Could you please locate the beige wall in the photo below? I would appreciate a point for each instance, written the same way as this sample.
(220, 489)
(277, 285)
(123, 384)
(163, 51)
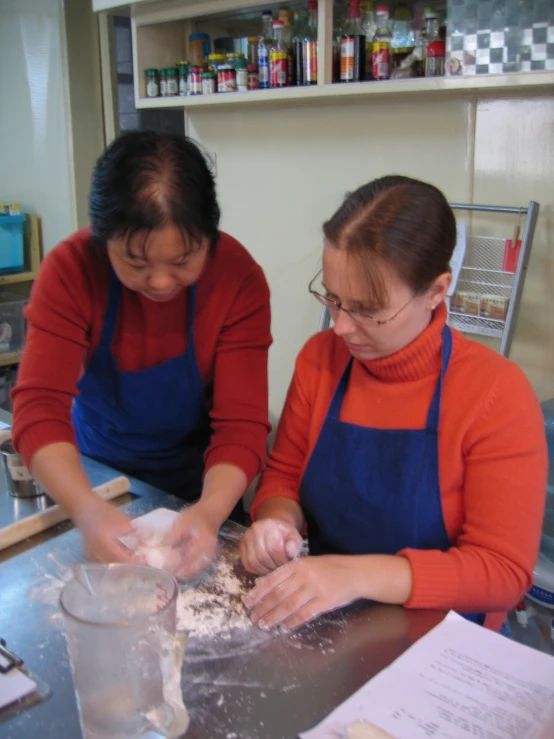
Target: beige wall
(51, 127)
(281, 173)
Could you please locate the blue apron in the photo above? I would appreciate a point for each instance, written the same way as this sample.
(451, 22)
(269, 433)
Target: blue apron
(376, 491)
(151, 424)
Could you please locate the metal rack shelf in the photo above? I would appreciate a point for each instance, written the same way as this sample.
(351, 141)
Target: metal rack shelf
(482, 273)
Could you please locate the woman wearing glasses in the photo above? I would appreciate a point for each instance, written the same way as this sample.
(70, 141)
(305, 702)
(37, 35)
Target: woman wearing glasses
(142, 330)
(414, 458)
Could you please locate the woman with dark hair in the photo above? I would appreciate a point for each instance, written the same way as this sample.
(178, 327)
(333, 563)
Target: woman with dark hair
(147, 346)
(414, 458)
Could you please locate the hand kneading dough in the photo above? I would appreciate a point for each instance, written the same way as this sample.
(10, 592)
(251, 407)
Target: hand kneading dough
(365, 730)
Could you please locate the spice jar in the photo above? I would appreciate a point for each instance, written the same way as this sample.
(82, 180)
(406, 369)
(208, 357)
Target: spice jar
(152, 83)
(171, 84)
(242, 75)
(253, 77)
(162, 83)
(233, 57)
(226, 79)
(183, 77)
(194, 83)
(208, 83)
(215, 61)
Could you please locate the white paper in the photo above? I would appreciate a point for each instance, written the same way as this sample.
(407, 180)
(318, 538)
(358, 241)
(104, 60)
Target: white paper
(14, 685)
(460, 681)
(158, 522)
(458, 256)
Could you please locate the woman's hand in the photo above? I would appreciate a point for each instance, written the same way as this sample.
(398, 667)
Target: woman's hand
(301, 590)
(268, 544)
(194, 537)
(101, 525)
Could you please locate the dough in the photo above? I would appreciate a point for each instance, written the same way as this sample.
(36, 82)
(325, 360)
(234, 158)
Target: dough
(365, 730)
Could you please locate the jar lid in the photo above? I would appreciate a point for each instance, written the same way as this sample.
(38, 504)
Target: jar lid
(207, 75)
(170, 70)
(278, 24)
(216, 57)
(162, 72)
(253, 39)
(240, 63)
(235, 55)
(151, 72)
(183, 68)
(182, 63)
(199, 37)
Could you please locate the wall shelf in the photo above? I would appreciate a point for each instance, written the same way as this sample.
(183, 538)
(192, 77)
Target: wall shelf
(507, 84)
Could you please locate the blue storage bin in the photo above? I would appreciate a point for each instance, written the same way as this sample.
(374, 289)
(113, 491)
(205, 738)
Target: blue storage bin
(11, 244)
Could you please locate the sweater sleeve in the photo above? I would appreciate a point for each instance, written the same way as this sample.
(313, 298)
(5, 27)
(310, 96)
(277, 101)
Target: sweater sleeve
(286, 462)
(490, 565)
(239, 413)
(58, 327)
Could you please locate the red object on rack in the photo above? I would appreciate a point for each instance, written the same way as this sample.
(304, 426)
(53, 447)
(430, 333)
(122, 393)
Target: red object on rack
(511, 255)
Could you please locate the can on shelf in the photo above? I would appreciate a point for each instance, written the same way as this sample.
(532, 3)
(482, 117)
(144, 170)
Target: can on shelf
(194, 82)
(152, 83)
(226, 79)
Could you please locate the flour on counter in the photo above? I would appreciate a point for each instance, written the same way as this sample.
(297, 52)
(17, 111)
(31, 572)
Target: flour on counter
(214, 607)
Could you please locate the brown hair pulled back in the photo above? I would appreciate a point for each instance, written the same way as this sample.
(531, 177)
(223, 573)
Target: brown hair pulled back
(404, 222)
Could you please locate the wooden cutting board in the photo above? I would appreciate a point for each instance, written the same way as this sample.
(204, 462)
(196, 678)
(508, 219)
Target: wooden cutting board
(21, 530)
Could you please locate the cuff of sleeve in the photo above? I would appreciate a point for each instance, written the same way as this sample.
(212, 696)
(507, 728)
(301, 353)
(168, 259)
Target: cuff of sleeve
(267, 493)
(434, 580)
(33, 438)
(240, 456)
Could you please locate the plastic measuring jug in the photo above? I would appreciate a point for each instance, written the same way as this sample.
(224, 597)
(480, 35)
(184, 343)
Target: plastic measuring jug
(126, 655)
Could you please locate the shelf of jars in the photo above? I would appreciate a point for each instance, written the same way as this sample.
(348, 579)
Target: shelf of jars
(213, 53)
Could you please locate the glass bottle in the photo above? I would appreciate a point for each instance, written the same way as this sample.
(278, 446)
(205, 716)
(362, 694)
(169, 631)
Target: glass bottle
(299, 33)
(278, 58)
(369, 25)
(381, 62)
(264, 44)
(434, 46)
(309, 48)
(352, 46)
(284, 16)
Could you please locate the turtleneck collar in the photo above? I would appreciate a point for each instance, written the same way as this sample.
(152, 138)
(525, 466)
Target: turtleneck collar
(420, 358)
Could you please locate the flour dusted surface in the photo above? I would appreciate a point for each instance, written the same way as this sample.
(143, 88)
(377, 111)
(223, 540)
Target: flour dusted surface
(214, 607)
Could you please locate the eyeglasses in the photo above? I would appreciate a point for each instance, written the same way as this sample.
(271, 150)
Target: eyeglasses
(360, 316)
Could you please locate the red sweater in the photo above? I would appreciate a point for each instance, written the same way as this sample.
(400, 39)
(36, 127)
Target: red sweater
(231, 337)
(492, 457)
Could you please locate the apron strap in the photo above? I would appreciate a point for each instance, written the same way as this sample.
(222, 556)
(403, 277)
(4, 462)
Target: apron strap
(432, 424)
(112, 310)
(191, 304)
(340, 391)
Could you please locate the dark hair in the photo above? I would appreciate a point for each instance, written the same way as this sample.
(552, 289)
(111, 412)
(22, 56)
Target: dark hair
(401, 221)
(147, 180)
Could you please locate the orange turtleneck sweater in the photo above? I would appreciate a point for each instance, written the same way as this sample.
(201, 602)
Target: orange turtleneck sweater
(492, 457)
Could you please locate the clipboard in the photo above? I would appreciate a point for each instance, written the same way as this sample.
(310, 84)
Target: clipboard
(13, 669)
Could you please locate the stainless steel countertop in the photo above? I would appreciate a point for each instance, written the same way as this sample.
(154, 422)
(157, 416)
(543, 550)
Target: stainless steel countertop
(269, 687)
